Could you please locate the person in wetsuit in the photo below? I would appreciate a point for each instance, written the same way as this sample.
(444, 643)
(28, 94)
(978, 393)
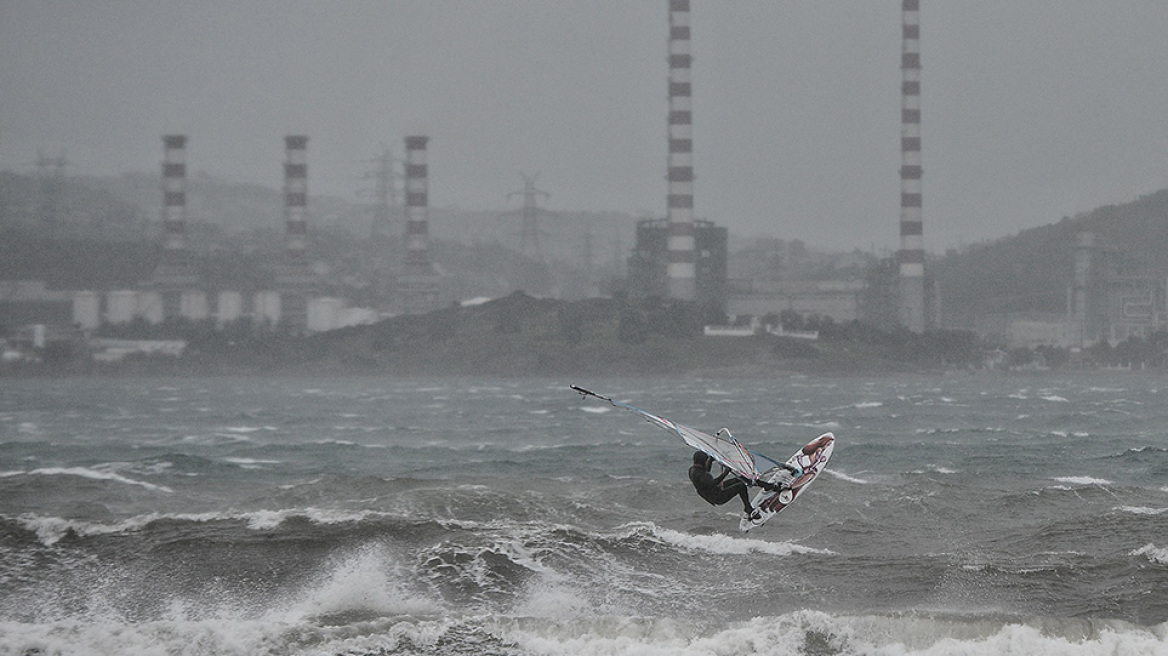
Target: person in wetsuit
(718, 490)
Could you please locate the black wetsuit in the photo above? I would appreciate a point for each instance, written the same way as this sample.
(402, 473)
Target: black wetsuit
(717, 490)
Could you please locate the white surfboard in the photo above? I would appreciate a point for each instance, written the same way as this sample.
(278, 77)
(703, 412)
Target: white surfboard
(811, 459)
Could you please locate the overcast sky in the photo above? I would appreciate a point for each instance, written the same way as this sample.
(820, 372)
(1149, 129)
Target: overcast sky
(1032, 109)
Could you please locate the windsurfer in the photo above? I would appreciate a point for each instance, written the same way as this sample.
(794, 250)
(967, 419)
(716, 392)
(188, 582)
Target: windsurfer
(718, 490)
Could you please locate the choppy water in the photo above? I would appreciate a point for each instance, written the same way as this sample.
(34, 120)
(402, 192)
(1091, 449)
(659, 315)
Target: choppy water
(959, 515)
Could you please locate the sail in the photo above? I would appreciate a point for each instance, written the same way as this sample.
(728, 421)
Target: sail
(721, 446)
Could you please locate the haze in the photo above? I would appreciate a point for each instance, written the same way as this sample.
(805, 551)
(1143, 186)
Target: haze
(1032, 110)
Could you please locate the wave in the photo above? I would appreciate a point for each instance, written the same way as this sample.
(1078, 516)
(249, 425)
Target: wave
(248, 429)
(844, 477)
(1082, 480)
(85, 472)
(800, 633)
(1142, 510)
(51, 530)
(726, 544)
(1153, 553)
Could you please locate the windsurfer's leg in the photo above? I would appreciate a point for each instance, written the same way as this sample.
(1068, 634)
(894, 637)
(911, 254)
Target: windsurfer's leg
(738, 487)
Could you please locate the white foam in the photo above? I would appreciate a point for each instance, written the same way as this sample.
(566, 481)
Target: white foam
(1082, 480)
(84, 472)
(844, 477)
(1054, 398)
(552, 598)
(250, 463)
(1153, 553)
(872, 635)
(596, 410)
(618, 634)
(1142, 510)
(262, 520)
(725, 544)
(50, 530)
(366, 581)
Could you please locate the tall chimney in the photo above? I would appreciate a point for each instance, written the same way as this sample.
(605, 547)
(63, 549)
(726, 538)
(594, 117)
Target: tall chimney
(912, 245)
(296, 201)
(174, 197)
(175, 270)
(417, 207)
(418, 284)
(680, 243)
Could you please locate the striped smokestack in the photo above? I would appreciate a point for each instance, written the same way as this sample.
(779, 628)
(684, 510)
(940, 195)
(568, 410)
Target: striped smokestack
(174, 200)
(296, 201)
(417, 208)
(175, 271)
(912, 245)
(680, 270)
(419, 284)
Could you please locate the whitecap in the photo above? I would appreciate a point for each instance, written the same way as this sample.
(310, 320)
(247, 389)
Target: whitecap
(366, 581)
(250, 463)
(725, 544)
(51, 529)
(844, 477)
(1054, 398)
(595, 410)
(1153, 553)
(1142, 510)
(96, 475)
(1082, 480)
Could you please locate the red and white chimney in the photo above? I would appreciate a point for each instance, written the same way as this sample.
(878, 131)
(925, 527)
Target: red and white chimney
(174, 200)
(417, 207)
(680, 242)
(912, 245)
(296, 200)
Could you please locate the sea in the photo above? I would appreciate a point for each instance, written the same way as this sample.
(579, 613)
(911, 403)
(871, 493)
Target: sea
(962, 514)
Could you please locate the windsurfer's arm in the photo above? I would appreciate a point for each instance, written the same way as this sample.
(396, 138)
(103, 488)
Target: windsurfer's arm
(725, 470)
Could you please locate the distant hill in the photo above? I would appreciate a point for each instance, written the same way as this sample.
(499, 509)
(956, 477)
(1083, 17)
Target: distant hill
(1031, 271)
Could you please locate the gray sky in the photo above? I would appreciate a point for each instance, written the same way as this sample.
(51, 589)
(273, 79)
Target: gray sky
(1032, 109)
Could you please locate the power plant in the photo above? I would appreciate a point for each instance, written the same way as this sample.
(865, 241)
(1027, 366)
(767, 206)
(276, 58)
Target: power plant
(176, 290)
(679, 257)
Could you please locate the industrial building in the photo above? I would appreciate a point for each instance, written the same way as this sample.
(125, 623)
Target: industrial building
(648, 265)
(1113, 297)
